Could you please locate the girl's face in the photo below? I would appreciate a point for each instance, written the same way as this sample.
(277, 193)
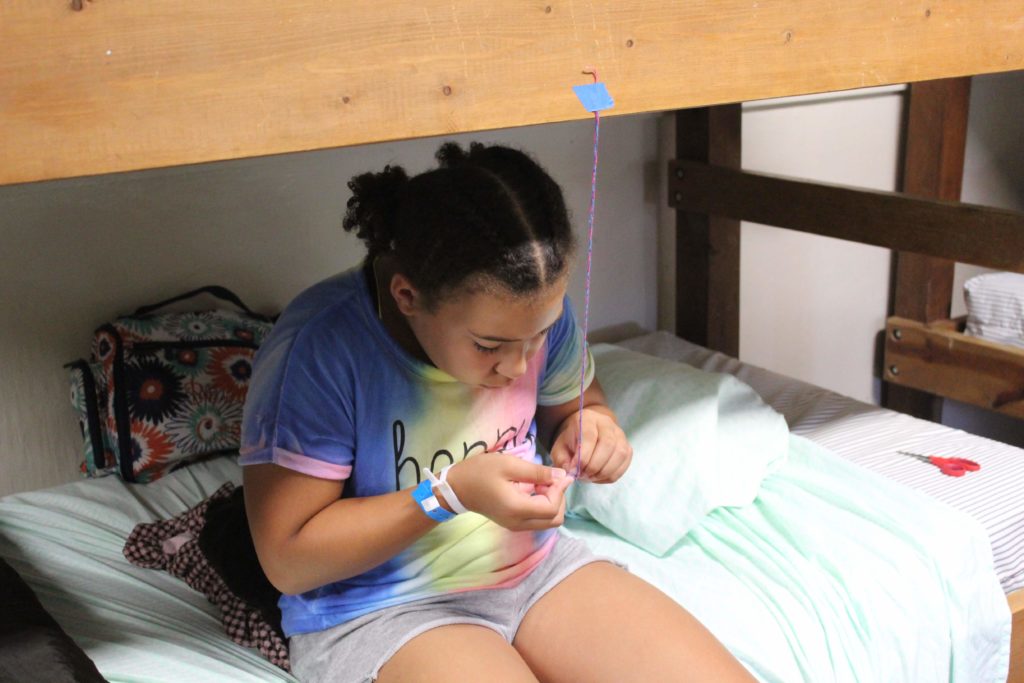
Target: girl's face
(484, 339)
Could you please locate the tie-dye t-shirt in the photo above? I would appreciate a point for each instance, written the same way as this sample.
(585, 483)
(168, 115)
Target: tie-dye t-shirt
(334, 396)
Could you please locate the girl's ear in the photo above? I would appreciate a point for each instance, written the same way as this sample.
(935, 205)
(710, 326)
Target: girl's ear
(408, 298)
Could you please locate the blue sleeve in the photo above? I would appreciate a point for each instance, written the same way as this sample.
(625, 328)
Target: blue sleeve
(298, 412)
(561, 381)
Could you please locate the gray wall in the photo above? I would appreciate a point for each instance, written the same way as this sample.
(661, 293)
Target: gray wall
(77, 252)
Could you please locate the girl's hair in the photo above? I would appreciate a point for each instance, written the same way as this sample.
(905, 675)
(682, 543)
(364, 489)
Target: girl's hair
(491, 214)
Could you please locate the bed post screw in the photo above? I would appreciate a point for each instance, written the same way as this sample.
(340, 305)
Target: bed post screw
(894, 370)
(679, 173)
(678, 197)
(897, 334)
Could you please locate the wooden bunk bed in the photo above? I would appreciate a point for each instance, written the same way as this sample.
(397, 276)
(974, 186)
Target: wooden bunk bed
(104, 86)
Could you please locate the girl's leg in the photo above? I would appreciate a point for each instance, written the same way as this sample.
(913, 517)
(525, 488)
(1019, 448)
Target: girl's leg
(604, 624)
(456, 653)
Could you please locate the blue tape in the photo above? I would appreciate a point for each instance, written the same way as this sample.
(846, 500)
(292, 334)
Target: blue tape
(594, 96)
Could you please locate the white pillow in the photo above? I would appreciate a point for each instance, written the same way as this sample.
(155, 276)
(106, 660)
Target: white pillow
(995, 307)
(700, 440)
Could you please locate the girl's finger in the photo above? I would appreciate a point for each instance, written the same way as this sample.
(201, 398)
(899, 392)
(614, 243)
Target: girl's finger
(586, 454)
(561, 454)
(535, 508)
(520, 470)
(619, 449)
(623, 465)
(602, 453)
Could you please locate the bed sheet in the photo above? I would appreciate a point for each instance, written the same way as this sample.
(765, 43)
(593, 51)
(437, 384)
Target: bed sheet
(871, 436)
(138, 625)
(784, 591)
(835, 573)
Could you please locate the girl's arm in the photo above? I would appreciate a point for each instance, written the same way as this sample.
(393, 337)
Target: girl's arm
(306, 536)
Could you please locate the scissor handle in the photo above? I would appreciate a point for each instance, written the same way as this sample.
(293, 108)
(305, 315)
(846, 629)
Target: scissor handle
(951, 467)
(952, 470)
(958, 463)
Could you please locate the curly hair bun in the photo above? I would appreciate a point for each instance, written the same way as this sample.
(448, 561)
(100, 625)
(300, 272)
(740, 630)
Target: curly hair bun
(373, 207)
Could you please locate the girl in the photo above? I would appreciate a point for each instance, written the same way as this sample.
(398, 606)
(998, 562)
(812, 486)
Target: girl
(392, 480)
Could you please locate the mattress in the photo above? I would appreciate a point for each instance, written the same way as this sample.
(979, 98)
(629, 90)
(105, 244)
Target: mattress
(995, 307)
(871, 437)
(754, 575)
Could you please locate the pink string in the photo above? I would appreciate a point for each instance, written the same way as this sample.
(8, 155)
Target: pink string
(586, 290)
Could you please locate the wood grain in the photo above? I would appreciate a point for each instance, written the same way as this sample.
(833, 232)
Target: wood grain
(933, 166)
(124, 84)
(967, 232)
(1016, 600)
(945, 362)
(707, 246)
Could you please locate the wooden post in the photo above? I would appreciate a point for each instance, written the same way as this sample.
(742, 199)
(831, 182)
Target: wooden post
(708, 247)
(933, 166)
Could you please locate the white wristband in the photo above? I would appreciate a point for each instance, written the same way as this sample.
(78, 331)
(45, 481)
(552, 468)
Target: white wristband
(446, 489)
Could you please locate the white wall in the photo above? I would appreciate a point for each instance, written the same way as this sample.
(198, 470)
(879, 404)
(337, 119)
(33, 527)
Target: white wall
(809, 306)
(77, 252)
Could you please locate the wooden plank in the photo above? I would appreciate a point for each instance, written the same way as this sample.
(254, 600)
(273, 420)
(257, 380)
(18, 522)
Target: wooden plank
(1016, 600)
(933, 165)
(708, 247)
(124, 84)
(968, 232)
(947, 363)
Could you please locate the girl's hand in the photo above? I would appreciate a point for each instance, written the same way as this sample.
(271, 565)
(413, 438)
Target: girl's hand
(606, 452)
(514, 493)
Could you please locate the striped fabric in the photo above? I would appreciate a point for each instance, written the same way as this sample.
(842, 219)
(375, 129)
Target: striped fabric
(995, 307)
(871, 436)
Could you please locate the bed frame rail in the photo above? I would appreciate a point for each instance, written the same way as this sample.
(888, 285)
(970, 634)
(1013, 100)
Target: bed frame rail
(950, 230)
(938, 358)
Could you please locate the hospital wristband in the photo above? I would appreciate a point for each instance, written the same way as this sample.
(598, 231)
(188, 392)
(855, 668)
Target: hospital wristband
(425, 498)
(442, 485)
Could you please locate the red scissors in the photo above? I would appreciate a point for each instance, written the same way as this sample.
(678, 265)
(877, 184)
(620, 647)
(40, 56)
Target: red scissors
(951, 467)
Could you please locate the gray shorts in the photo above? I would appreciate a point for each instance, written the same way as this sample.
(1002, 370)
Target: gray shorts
(355, 651)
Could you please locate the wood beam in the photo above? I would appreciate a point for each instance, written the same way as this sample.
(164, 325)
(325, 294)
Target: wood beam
(124, 85)
(973, 234)
(708, 247)
(933, 164)
(1016, 601)
(943, 361)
